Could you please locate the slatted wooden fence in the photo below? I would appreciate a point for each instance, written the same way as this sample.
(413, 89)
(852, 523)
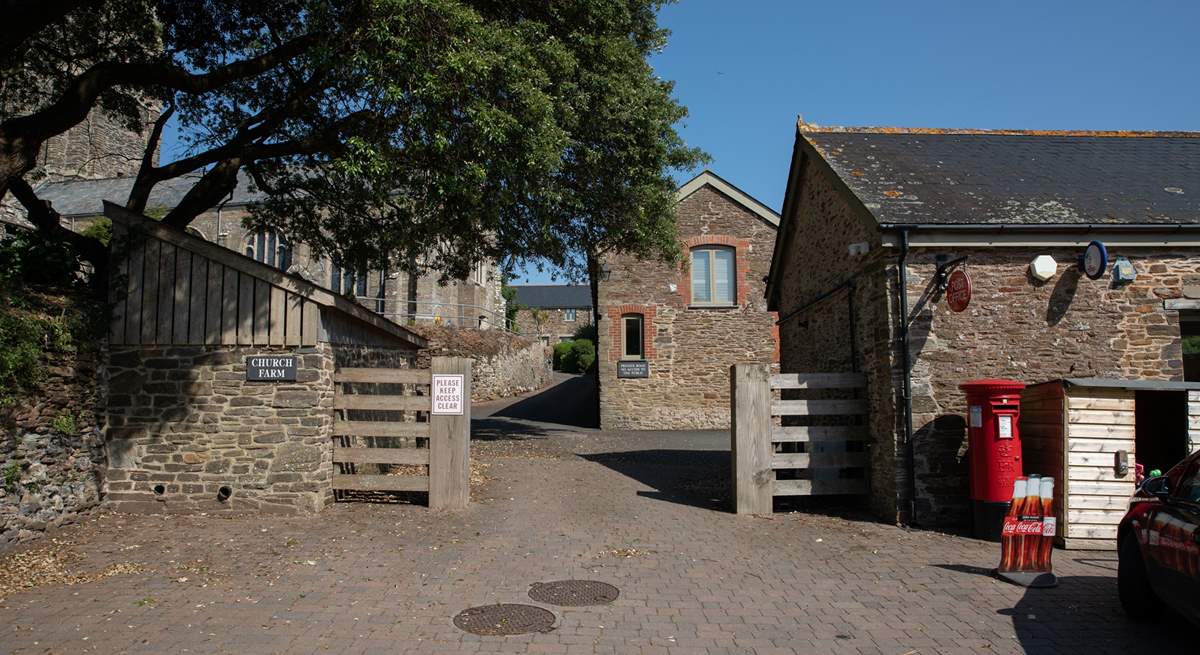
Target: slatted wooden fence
(401, 430)
(795, 446)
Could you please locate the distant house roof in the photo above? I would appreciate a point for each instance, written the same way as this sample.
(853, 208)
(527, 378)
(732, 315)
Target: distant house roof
(749, 202)
(554, 296)
(86, 197)
(983, 177)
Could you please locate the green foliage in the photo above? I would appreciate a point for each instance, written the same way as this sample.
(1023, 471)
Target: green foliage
(511, 306)
(43, 309)
(576, 356)
(388, 132)
(562, 351)
(583, 355)
(30, 258)
(100, 230)
(64, 424)
(12, 473)
(586, 332)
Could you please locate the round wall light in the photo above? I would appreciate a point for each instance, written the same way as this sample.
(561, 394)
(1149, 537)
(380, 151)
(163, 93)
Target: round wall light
(1043, 267)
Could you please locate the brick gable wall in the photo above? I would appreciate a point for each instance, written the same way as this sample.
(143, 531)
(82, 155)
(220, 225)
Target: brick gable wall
(689, 349)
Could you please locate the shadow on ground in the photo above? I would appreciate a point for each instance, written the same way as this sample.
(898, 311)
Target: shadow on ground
(571, 402)
(699, 478)
(1040, 616)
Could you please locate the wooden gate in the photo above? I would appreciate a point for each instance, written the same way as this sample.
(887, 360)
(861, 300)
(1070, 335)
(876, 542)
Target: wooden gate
(387, 426)
(787, 445)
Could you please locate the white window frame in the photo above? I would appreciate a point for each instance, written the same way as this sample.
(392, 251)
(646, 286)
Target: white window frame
(708, 251)
(569, 315)
(641, 321)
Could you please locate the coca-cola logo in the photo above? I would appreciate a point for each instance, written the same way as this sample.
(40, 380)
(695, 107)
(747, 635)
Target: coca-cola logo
(1025, 528)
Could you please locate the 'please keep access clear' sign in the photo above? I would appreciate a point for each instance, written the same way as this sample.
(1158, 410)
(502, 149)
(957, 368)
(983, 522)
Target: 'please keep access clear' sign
(448, 394)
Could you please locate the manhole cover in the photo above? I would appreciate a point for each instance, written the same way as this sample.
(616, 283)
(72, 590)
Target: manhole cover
(573, 593)
(504, 619)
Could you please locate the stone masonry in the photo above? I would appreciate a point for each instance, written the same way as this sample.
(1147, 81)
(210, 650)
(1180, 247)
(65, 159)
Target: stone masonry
(689, 349)
(51, 449)
(183, 423)
(554, 325)
(1015, 327)
(503, 365)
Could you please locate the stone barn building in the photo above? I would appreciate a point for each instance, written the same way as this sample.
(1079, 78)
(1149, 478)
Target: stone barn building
(553, 312)
(669, 333)
(874, 219)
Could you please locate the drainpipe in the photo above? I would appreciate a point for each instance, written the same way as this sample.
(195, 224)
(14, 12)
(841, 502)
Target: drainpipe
(905, 362)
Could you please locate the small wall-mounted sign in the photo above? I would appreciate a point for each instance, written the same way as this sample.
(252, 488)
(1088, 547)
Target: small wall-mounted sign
(958, 290)
(633, 368)
(1094, 260)
(271, 368)
(448, 394)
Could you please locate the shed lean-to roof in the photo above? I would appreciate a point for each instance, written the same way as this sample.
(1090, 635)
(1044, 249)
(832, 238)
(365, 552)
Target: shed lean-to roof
(554, 296)
(1014, 177)
(87, 197)
(747, 201)
(287, 282)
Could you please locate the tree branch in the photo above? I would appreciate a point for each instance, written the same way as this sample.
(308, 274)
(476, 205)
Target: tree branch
(49, 222)
(20, 137)
(144, 183)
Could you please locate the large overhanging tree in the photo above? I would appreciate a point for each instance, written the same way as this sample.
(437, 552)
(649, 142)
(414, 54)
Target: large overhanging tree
(382, 132)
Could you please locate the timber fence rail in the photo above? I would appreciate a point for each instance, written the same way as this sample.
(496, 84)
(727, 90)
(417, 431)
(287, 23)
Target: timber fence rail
(785, 442)
(386, 421)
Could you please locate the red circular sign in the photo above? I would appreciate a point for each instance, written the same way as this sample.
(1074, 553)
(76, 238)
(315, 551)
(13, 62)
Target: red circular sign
(958, 290)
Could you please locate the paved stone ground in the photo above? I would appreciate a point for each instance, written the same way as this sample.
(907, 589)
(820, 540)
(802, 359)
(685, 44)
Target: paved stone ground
(642, 511)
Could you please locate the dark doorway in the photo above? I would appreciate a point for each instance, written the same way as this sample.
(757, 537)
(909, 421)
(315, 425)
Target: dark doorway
(1189, 332)
(1160, 428)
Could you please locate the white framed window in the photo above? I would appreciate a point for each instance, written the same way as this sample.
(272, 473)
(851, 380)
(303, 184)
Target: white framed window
(569, 315)
(633, 340)
(714, 276)
(270, 248)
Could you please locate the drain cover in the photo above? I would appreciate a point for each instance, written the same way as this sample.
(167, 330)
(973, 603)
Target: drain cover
(504, 619)
(573, 593)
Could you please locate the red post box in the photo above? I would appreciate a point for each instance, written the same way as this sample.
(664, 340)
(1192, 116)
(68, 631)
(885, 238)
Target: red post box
(994, 449)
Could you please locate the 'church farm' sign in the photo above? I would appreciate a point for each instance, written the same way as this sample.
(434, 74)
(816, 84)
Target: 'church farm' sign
(271, 368)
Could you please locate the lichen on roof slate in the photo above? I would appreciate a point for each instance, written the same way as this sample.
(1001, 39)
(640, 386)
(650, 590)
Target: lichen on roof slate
(929, 176)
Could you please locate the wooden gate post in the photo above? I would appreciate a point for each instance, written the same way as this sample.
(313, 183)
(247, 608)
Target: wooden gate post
(450, 441)
(750, 438)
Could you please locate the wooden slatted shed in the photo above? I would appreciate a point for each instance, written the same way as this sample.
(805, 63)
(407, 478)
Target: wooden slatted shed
(1076, 430)
(171, 288)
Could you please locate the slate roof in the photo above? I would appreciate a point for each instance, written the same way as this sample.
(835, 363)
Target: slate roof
(86, 197)
(554, 296)
(941, 177)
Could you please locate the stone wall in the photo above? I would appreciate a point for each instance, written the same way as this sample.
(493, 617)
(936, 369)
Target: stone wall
(850, 329)
(183, 423)
(504, 365)
(51, 451)
(1017, 327)
(689, 349)
(555, 325)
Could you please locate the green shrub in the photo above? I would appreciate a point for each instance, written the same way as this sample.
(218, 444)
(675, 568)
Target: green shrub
(21, 339)
(12, 473)
(28, 258)
(583, 355)
(100, 229)
(585, 332)
(562, 350)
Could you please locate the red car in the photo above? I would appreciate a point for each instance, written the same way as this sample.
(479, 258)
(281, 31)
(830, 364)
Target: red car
(1159, 544)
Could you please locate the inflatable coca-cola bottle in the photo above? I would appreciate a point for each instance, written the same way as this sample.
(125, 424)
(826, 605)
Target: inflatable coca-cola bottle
(1008, 538)
(1029, 528)
(1049, 525)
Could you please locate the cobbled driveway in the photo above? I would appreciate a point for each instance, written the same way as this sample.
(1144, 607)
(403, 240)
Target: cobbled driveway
(642, 511)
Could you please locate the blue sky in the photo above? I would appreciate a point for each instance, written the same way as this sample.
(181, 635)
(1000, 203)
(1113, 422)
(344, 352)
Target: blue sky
(745, 69)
